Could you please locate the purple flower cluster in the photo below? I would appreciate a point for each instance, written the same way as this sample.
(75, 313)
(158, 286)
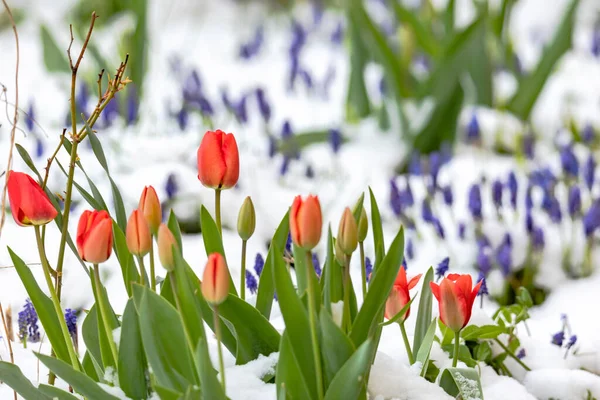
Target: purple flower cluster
(28, 323)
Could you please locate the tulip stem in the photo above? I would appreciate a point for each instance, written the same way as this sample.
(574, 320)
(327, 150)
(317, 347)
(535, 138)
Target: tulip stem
(103, 308)
(456, 348)
(55, 301)
(346, 323)
(243, 273)
(312, 315)
(512, 355)
(219, 349)
(218, 210)
(411, 357)
(363, 271)
(142, 271)
(178, 305)
(152, 273)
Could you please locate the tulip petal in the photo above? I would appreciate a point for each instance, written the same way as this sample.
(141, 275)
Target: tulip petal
(29, 203)
(231, 158)
(451, 306)
(413, 282)
(211, 163)
(294, 231)
(435, 289)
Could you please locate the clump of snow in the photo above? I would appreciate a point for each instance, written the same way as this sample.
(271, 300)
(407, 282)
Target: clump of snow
(497, 387)
(337, 311)
(244, 382)
(469, 387)
(114, 390)
(116, 333)
(111, 376)
(562, 384)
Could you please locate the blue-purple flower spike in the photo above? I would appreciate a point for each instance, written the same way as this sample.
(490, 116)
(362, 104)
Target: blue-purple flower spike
(475, 202)
(558, 338)
(473, 130)
(368, 268)
(442, 268)
(462, 230)
(71, 319)
(568, 159)
(263, 105)
(335, 139)
(259, 264)
(504, 256)
(171, 186)
(588, 134)
(483, 289)
(591, 219)
(513, 188)
(571, 342)
(537, 239)
(484, 259)
(448, 196)
(521, 354)
(589, 171)
(497, 193)
(251, 282)
(574, 201)
(426, 213)
(316, 264)
(28, 323)
(410, 252)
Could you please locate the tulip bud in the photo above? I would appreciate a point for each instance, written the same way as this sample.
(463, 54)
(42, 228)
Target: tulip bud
(399, 296)
(29, 204)
(215, 281)
(339, 253)
(139, 239)
(246, 219)
(150, 206)
(166, 244)
(347, 233)
(94, 236)
(363, 226)
(306, 222)
(455, 299)
(218, 160)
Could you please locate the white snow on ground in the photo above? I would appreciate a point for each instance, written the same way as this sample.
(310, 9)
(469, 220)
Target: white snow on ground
(202, 35)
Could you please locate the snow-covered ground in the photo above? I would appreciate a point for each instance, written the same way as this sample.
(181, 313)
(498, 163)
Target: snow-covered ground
(206, 36)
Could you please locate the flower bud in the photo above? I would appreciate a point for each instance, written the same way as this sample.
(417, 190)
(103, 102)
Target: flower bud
(246, 219)
(218, 160)
(339, 253)
(363, 226)
(347, 233)
(150, 207)
(29, 203)
(306, 222)
(166, 244)
(94, 236)
(139, 239)
(215, 281)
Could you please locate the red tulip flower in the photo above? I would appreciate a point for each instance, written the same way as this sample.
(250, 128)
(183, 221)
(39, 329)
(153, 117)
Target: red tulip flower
(306, 222)
(29, 204)
(218, 160)
(399, 296)
(94, 236)
(215, 281)
(138, 236)
(150, 207)
(455, 295)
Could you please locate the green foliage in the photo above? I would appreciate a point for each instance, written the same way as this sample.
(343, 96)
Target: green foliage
(54, 57)
(461, 382)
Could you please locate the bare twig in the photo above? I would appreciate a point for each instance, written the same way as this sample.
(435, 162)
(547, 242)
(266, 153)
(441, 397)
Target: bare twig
(15, 119)
(10, 351)
(9, 323)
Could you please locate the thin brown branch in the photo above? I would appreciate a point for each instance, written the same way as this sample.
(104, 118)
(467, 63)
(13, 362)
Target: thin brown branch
(10, 351)
(15, 118)
(100, 75)
(70, 45)
(85, 43)
(51, 159)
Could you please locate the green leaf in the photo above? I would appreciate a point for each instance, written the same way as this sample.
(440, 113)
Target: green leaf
(13, 377)
(425, 347)
(96, 145)
(212, 240)
(483, 352)
(296, 321)
(425, 38)
(358, 207)
(424, 313)
(167, 394)
(89, 331)
(473, 332)
(289, 378)
(266, 287)
(461, 382)
(43, 307)
(208, 375)
(331, 278)
(119, 206)
(78, 380)
(302, 275)
(370, 314)
(132, 363)
(400, 314)
(531, 86)
(464, 354)
(56, 393)
(90, 367)
(128, 269)
(103, 339)
(302, 140)
(357, 100)
(336, 348)
(164, 341)
(524, 298)
(378, 242)
(173, 226)
(54, 57)
(350, 380)
(28, 161)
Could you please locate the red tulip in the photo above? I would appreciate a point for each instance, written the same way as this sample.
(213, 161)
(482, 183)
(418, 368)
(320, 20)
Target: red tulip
(215, 281)
(455, 295)
(218, 160)
(28, 202)
(399, 295)
(94, 236)
(306, 222)
(138, 237)
(150, 206)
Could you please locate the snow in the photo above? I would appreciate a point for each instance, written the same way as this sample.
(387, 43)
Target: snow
(147, 153)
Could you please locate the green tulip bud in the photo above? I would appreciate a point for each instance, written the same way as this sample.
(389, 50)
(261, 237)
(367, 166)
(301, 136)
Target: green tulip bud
(363, 226)
(246, 219)
(347, 233)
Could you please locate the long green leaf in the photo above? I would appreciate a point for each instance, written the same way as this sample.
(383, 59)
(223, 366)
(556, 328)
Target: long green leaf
(266, 287)
(54, 57)
(357, 98)
(212, 240)
(56, 393)
(78, 380)
(132, 363)
(289, 378)
(336, 348)
(378, 242)
(91, 338)
(463, 382)
(43, 307)
(208, 375)
(531, 86)
(103, 339)
(173, 225)
(425, 348)
(425, 38)
(349, 382)
(332, 276)
(13, 377)
(424, 314)
(400, 314)
(296, 321)
(129, 271)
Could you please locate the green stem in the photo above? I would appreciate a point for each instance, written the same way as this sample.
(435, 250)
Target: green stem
(178, 305)
(512, 355)
(55, 301)
(152, 273)
(363, 271)
(456, 347)
(219, 349)
(218, 210)
(312, 315)
(104, 315)
(346, 313)
(243, 277)
(411, 358)
(142, 271)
